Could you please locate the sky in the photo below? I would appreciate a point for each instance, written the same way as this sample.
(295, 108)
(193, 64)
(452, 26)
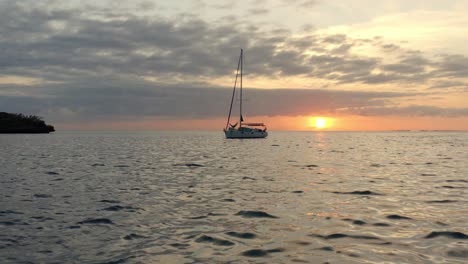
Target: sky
(150, 65)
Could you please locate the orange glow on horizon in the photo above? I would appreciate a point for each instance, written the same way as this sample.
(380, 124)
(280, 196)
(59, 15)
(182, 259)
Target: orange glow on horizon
(282, 123)
(320, 122)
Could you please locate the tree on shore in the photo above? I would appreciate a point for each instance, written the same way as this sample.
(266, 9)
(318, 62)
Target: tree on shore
(19, 122)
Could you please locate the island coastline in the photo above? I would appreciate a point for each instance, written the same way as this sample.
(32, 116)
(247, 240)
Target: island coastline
(11, 123)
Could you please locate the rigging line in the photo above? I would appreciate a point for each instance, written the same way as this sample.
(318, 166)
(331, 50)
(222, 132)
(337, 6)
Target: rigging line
(233, 92)
(240, 108)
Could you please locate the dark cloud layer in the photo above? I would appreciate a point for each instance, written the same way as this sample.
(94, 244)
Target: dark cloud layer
(93, 61)
(112, 99)
(103, 98)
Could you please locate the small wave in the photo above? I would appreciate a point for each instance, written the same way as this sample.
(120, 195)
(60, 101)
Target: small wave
(302, 243)
(398, 217)
(198, 217)
(96, 221)
(116, 208)
(52, 173)
(9, 240)
(215, 214)
(98, 165)
(458, 253)
(453, 187)
(255, 214)
(121, 166)
(58, 179)
(180, 245)
(337, 151)
(381, 224)
(297, 191)
(326, 248)
(359, 222)
(448, 234)
(119, 261)
(255, 253)
(340, 235)
(41, 218)
(9, 212)
(241, 235)
(428, 174)
(190, 165)
(260, 252)
(42, 195)
(353, 255)
(457, 180)
(132, 236)
(12, 223)
(215, 241)
(355, 222)
(442, 201)
(359, 193)
(109, 201)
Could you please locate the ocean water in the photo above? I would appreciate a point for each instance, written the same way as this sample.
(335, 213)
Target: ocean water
(191, 197)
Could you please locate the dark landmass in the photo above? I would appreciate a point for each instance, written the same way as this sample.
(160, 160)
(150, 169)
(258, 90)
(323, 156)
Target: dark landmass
(19, 123)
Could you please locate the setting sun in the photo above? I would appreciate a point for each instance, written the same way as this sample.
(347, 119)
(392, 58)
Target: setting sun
(320, 122)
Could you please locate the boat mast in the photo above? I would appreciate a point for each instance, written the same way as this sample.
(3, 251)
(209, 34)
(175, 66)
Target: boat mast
(240, 108)
(233, 92)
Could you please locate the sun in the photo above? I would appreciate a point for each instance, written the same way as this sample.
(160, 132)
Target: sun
(320, 122)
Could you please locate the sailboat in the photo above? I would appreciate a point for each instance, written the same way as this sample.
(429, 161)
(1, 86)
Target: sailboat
(242, 129)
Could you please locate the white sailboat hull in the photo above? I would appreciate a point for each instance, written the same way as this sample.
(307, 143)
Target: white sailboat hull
(235, 133)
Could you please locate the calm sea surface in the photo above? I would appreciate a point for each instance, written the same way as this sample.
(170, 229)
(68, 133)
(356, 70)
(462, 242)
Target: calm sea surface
(190, 197)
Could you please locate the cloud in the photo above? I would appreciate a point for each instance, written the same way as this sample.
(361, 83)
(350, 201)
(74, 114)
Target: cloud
(258, 11)
(61, 44)
(413, 110)
(94, 63)
(453, 66)
(126, 97)
(302, 3)
(390, 47)
(450, 84)
(220, 6)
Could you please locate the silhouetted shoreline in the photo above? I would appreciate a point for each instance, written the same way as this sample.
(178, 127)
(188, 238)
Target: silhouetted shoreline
(22, 124)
